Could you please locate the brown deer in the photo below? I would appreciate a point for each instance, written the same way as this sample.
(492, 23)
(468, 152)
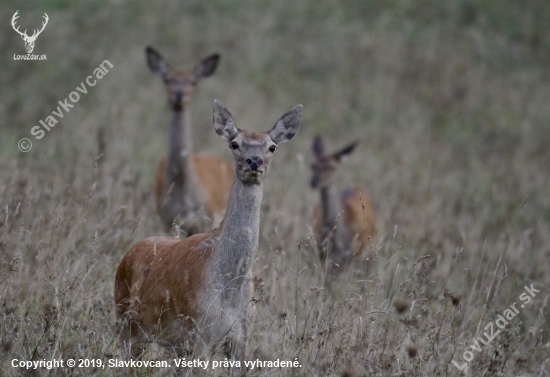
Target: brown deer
(192, 187)
(344, 219)
(200, 288)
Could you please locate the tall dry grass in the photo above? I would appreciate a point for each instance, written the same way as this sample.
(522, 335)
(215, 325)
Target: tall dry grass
(449, 101)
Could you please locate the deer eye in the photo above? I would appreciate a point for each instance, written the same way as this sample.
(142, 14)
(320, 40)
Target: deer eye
(234, 145)
(272, 148)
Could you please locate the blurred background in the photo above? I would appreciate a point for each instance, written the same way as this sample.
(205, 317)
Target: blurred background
(430, 87)
(465, 75)
(450, 101)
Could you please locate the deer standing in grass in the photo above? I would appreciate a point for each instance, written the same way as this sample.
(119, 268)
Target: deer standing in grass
(200, 288)
(344, 219)
(193, 187)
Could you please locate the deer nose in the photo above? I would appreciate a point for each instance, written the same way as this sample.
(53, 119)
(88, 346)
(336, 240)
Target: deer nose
(254, 162)
(178, 96)
(314, 181)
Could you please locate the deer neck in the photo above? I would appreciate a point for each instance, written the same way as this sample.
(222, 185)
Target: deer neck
(180, 171)
(330, 204)
(239, 233)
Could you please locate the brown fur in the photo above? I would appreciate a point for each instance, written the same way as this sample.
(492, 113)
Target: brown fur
(201, 182)
(361, 221)
(344, 220)
(168, 288)
(215, 176)
(159, 280)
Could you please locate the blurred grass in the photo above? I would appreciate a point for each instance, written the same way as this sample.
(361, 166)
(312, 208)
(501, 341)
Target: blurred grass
(448, 98)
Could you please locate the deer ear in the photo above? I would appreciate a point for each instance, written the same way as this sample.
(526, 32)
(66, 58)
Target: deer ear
(345, 152)
(318, 146)
(287, 126)
(155, 61)
(206, 67)
(224, 124)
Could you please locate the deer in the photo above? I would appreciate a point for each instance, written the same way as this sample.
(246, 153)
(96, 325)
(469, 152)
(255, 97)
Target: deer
(29, 40)
(198, 290)
(190, 187)
(344, 219)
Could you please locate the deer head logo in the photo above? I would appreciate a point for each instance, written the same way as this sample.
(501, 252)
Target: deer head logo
(29, 40)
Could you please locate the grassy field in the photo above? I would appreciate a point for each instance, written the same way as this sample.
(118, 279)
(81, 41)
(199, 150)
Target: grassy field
(450, 102)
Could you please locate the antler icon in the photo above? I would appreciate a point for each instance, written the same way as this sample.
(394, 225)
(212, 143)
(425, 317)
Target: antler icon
(29, 40)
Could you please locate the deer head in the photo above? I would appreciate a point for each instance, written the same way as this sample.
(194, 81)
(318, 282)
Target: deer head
(180, 84)
(253, 150)
(325, 165)
(29, 40)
